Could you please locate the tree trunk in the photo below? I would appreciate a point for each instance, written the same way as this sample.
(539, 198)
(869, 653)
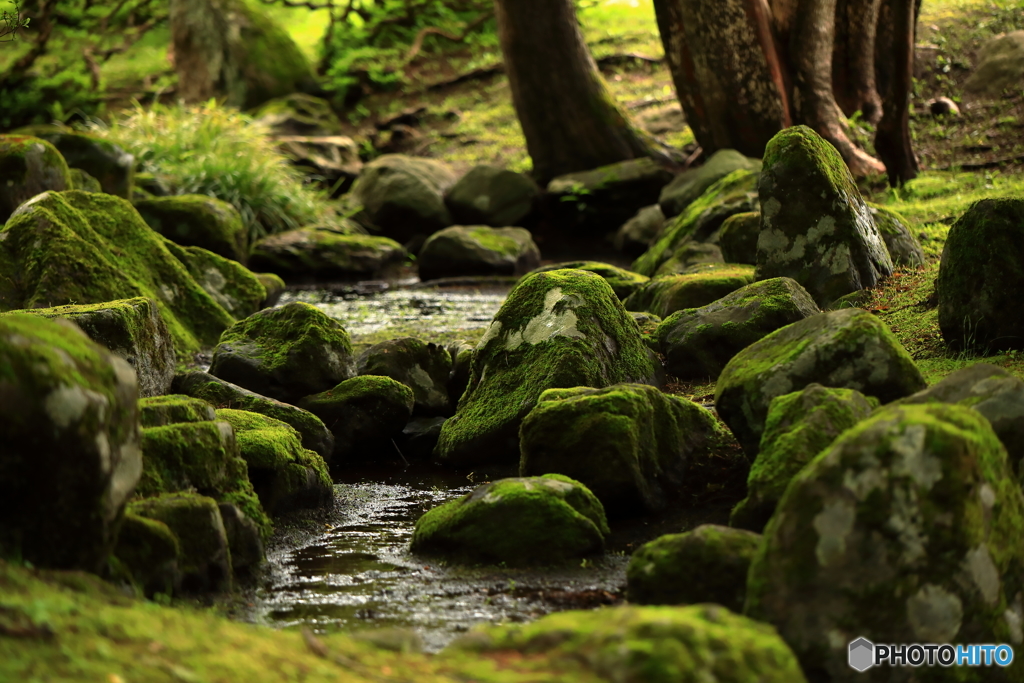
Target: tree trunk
(569, 118)
(726, 70)
(202, 56)
(892, 139)
(853, 58)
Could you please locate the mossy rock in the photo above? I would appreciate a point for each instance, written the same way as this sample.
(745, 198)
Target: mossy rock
(815, 226)
(698, 342)
(285, 353)
(198, 220)
(70, 432)
(737, 238)
(651, 644)
(798, 427)
(132, 329)
(245, 539)
(80, 180)
(275, 287)
(317, 253)
(107, 162)
(463, 250)
(221, 394)
(82, 248)
(623, 282)
(462, 362)
(602, 199)
(849, 349)
(423, 367)
(732, 194)
(285, 475)
(688, 255)
(981, 277)
(906, 529)
(299, 114)
(665, 295)
(517, 521)
(404, 196)
(204, 558)
(630, 444)
(1000, 67)
(563, 328)
(636, 235)
(904, 249)
(364, 413)
(160, 411)
(149, 550)
(28, 166)
(689, 185)
(488, 195)
(707, 564)
(233, 286)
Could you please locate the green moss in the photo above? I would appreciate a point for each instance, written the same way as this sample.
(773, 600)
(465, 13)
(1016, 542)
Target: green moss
(236, 288)
(158, 411)
(28, 166)
(667, 294)
(149, 550)
(325, 252)
(198, 220)
(623, 282)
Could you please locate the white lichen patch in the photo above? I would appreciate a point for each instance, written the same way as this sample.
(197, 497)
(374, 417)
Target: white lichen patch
(862, 483)
(913, 459)
(837, 259)
(66, 405)
(934, 614)
(557, 486)
(770, 209)
(547, 324)
(981, 570)
(493, 331)
(1014, 616)
(825, 226)
(833, 524)
(904, 521)
(987, 496)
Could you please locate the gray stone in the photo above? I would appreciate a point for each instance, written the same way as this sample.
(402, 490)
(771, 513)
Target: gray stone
(904, 249)
(477, 250)
(737, 238)
(636, 234)
(31, 165)
(318, 253)
(1000, 67)
(198, 220)
(488, 195)
(423, 367)
(692, 183)
(404, 196)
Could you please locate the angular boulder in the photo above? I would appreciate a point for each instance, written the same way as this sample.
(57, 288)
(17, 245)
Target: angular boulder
(323, 253)
(108, 163)
(667, 294)
(516, 521)
(423, 367)
(849, 349)
(160, 411)
(630, 444)
(563, 328)
(31, 165)
(488, 195)
(689, 185)
(815, 226)
(404, 196)
(197, 220)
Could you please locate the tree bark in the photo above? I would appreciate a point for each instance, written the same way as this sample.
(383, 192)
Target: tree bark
(892, 138)
(726, 70)
(853, 58)
(569, 118)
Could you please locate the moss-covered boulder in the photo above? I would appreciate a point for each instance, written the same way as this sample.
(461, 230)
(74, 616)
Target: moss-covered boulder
(905, 530)
(404, 196)
(848, 349)
(623, 282)
(665, 295)
(636, 235)
(233, 286)
(630, 444)
(285, 353)
(462, 362)
(689, 185)
(198, 220)
(82, 248)
(489, 195)
(315, 253)
(798, 427)
(284, 475)
(517, 521)
(160, 411)
(80, 180)
(477, 250)
(245, 539)
(652, 644)
(28, 166)
(815, 226)
(698, 342)
(364, 413)
(564, 328)
(707, 564)
(182, 456)
(737, 238)
(274, 286)
(149, 551)
(423, 367)
(70, 457)
(904, 249)
(221, 394)
(299, 114)
(204, 557)
(132, 329)
(981, 277)
(732, 194)
(1000, 66)
(101, 159)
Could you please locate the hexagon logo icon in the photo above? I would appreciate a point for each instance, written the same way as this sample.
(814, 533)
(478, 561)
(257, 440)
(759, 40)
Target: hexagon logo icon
(862, 654)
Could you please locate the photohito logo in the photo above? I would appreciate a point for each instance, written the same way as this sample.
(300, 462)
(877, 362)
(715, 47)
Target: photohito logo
(863, 654)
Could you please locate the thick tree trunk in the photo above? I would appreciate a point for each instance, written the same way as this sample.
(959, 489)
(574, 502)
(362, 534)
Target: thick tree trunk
(569, 118)
(853, 58)
(202, 56)
(726, 70)
(892, 139)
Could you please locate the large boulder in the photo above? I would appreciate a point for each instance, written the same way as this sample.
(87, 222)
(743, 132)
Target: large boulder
(689, 185)
(563, 328)
(517, 521)
(477, 250)
(904, 249)
(198, 220)
(705, 643)
(698, 342)
(111, 166)
(488, 195)
(667, 294)
(70, 459)
(422, 366)
(981, 277)
(233, 286)
(285, 353)
(815, 226)
(630, 444)
(798, 427)
(404, 196)
(905, 530)
(623, 282)
(707, 564)
(1000, 67)
(849, 348)
(321, 253)
(30, 166)
(83, 248)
